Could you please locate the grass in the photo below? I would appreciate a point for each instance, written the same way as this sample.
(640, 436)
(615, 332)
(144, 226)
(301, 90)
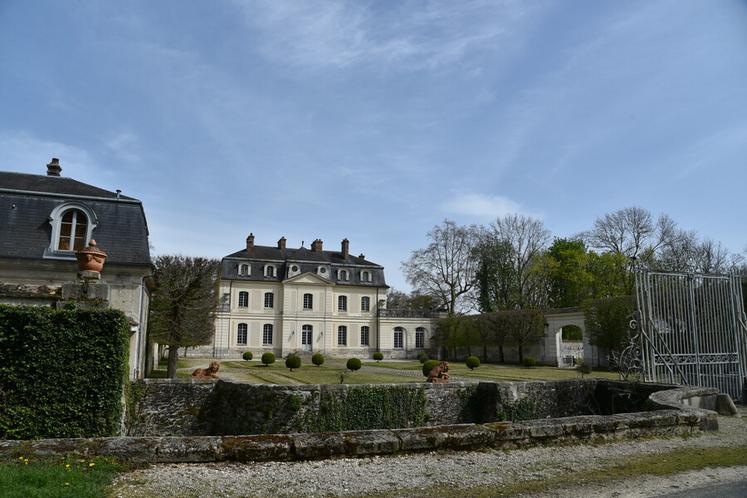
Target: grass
(329, 373)
(24, 478)
(498, 372)
(662, 464)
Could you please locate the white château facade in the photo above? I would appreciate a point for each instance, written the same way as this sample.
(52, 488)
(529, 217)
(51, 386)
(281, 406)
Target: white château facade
(273, 298)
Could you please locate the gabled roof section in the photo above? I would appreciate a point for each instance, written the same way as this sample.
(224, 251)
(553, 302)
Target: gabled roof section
(306, 277)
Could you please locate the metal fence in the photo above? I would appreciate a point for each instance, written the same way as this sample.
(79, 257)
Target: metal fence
(692, 330)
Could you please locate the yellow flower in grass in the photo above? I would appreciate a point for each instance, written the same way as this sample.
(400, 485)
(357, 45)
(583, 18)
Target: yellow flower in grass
(91, 464)
(67, 484)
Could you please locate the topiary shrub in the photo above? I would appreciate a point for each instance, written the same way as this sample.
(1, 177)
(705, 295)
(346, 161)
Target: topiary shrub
(422, 357)
(583, 368)
(353, 364)
(247, 355)
(378, 356)
(529, 362)
(430, 365)
(317, 359)
(268, 358)
(293, 361)
(473, 362)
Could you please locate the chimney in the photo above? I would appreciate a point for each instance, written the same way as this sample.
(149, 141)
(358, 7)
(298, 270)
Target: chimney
(281, 243)
(345, 248)
(53, 168)
(316, 246)
(250, 244)
(362, 256)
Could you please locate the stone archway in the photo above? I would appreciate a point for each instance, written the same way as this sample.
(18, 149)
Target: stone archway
(570, 345)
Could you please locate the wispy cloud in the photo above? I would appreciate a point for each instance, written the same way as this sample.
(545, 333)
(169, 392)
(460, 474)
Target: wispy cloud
(482, 206)
(340, 34)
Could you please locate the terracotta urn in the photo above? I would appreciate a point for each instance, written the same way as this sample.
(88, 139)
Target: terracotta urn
(90, 258)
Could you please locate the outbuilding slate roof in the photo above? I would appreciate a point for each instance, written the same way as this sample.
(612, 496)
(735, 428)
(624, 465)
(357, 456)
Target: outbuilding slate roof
(26, 202)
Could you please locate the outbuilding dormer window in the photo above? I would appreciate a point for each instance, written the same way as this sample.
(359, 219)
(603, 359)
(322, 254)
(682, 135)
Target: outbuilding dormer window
(270, 271)
(365, 276)
(342, 275)
(244, 270)
(72, 226)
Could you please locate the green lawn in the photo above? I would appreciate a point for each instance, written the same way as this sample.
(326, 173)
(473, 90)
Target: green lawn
(329, 373)
(25, 478)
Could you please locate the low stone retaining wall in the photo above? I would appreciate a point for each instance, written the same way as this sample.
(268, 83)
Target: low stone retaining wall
(214, 408)
(286, 447)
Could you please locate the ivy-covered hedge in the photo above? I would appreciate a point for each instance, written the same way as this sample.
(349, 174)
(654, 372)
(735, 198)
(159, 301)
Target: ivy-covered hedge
(61, 372)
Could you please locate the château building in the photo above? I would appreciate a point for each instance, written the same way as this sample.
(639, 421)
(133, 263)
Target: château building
(308, 300)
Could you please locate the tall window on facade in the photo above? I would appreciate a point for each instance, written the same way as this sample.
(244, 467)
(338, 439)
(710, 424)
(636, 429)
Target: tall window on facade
(269, 299)
(73, 230)
(342, 303)
(420, 337)
(308, 301)
(267, 334)
(342, 335)
(399, 338)
(244, 270)
(269, 271)
(241, 334)
(364, 335)
(365, 303)
(243, 299)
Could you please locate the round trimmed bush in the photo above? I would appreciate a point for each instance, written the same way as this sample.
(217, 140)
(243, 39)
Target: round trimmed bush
(430, 365)
(378, 356)
(473, 362)
(268, 358)
(353, 364)
(317, 359)
(247, 355)
(293, 361)
(529, 362)
(422, 357)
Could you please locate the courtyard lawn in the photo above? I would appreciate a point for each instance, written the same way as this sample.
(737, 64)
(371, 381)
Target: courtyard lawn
(25, 478)
(498, 372)
(329, 373)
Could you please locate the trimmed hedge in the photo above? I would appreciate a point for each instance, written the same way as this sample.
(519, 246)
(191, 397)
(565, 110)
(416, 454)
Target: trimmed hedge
(268, 359)
(353, 364)
(378, 356)
(247, 356)
(61, 372)
(430, 365)
(473, 362)
(317, 359)
(293, 361)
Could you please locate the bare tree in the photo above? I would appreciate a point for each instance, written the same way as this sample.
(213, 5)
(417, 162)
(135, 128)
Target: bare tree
(445, 269)
(183, 304)
(631, 232)
(527, 238)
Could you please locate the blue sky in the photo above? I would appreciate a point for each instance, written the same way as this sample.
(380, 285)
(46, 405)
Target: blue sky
(377, 120)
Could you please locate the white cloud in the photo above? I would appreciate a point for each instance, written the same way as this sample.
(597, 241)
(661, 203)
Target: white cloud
(481, 206)
(339, 34)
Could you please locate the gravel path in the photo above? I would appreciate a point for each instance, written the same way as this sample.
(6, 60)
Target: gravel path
(403, 474)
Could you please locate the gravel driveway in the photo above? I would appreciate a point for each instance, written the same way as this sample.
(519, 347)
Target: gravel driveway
(406, 474)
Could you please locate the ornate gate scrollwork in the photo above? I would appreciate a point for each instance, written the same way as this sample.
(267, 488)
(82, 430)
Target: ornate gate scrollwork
(629, 362)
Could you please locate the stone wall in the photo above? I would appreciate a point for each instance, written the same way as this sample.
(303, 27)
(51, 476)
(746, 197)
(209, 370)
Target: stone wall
(214, 408)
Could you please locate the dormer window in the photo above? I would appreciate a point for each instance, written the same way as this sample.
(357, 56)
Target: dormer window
(270, 271)
(365, 276)
(322, 270)
(244, 270)
(342, 275)
(72, 226)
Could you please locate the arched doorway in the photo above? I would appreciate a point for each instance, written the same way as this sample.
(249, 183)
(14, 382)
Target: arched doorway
(570, 344)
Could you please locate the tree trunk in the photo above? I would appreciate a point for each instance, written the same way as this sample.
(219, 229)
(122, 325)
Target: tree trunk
(521, 353)
(501, 358)
(173, 356)
(484, 352)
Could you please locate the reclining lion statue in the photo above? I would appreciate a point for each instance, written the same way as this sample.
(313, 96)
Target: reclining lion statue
(438, 374)
(210, 372)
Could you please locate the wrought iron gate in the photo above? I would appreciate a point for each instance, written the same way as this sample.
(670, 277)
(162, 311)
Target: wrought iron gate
(692, 330)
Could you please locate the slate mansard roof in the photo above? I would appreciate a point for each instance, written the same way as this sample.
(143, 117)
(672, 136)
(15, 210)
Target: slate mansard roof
(306, 259)
(26, 202)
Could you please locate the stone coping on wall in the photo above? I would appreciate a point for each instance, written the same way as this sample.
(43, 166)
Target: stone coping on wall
(310, 446)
